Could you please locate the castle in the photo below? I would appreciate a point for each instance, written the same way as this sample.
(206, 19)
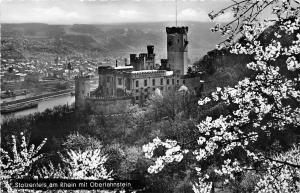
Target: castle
(120, 86)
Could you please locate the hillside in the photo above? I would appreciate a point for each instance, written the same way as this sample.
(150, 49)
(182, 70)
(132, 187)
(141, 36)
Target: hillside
(225, 69)
(43, 40)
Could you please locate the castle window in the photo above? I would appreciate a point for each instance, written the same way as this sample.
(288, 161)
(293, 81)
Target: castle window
(137, 90)
(153, 89)
(145, 82)
(183, 81)
(137, 83)
(120, 81)
(173, 81)
(153, 82)
(177, 81)
(137, 98)
(168, 81)
(161, 81)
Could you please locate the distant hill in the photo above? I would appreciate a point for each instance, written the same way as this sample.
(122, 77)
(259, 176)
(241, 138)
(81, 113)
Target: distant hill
(42, 40)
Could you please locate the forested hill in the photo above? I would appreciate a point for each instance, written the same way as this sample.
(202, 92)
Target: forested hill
(223, 68)
(42, 40)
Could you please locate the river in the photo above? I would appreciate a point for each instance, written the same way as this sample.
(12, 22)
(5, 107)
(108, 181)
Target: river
(49, 103)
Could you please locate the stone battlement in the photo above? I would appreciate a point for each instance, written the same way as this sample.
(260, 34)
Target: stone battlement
(109, 98)
(87, 77)
(150, 73)
(178, 30)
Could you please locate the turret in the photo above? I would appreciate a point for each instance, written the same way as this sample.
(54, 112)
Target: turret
(150, 49)
(82, 91)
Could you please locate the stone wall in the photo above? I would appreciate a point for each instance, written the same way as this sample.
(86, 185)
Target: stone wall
(108, 106)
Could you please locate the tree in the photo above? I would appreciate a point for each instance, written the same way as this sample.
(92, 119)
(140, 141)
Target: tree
(172, 103)
(88, 164)
(76, 141)
(18, 162)
(260, 108)
(282, 172)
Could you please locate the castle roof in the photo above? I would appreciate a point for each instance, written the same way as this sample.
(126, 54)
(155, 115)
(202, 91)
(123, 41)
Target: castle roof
(122, 67)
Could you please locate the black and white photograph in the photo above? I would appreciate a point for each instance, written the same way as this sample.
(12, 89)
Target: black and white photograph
(150, 96)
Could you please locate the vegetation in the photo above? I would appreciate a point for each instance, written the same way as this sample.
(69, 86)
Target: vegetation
(239, 138)
(250, 140)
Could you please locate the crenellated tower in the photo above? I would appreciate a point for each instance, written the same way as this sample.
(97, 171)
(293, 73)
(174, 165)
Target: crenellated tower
(177, 48)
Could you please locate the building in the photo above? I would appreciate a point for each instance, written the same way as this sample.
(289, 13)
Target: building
(135, 83)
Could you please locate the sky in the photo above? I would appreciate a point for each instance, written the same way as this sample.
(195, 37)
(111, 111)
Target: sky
(108, 11)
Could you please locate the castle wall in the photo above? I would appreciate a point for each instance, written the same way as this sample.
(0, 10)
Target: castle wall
(144, 83)
(178, 62)
(113, 82)
(107, 106)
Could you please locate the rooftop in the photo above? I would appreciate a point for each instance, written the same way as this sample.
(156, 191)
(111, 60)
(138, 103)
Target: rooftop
(169, 73)
(122, 67)
(166, 73)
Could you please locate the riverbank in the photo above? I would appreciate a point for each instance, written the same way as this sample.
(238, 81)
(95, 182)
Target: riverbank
(37, 97)
(48, 103)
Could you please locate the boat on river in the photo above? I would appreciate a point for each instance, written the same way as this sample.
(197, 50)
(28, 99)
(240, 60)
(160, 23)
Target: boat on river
(18, 107)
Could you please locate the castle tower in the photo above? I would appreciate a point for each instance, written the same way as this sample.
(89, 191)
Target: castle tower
(177, 49)
(82, 91)
(150, 61)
